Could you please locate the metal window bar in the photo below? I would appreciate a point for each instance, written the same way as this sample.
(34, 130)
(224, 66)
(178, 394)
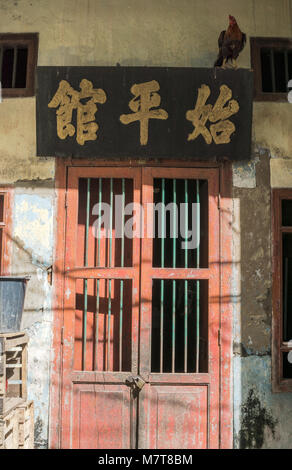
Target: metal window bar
(286, 68)
(110, 280)
(272, 64)
(186, 282)
(122, 282)
(162, 281)
(198, 282)
(97, 281)
(84, 334)
(1, 61)
(14, 66)
(173, 282)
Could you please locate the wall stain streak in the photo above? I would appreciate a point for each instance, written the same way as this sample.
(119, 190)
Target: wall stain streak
(255, 418)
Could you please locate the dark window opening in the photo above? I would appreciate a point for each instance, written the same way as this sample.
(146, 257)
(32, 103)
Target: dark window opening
(192, 194)
(287, 287)
(13, 67)
(18, 59)
(287, 365)
(179, 332)
(272, 64)
(287, 212)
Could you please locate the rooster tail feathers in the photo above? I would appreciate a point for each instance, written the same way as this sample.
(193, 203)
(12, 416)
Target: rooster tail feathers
(219, 61)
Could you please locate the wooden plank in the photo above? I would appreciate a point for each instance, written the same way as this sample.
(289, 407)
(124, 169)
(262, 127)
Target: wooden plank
(14, 358)
(8, 404)
(9, 430)
(26, 425)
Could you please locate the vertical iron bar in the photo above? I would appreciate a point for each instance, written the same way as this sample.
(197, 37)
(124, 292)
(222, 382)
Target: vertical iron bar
(122, 282)
(162, 281)
(1, 61)
(286, 69)
(272, 62)
(14, 66)
(198, 282)
(84, 336)
(97, 280)
(173, 282)
(110, 281)
(186, 282)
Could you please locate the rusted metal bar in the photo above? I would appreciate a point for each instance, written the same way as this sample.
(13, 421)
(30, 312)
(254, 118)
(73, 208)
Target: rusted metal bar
(110, 281)
(84, 334)
(186, 282)
(198, 212)
(97, 280)
(122, 282)
(162, 280)
(173, 282)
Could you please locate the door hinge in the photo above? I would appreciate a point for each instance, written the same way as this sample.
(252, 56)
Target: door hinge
(66, 202)
(219, 338)
(219, 202)
(62, 335)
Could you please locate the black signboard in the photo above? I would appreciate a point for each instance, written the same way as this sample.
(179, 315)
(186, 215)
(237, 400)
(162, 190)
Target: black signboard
(144, 112)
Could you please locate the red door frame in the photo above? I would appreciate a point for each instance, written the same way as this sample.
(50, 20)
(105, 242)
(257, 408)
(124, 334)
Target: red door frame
(225, 302)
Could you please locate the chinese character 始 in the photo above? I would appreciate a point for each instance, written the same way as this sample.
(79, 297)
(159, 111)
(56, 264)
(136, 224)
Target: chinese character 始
(67, 99)
(218, 114)
(145, 98)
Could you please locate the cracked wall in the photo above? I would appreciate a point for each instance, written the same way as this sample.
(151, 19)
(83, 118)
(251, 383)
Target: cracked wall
(262, 419)
(32, 244)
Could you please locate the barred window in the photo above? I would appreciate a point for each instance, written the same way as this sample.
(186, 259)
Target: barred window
(271, 60)
(282, 290)
(18, 59)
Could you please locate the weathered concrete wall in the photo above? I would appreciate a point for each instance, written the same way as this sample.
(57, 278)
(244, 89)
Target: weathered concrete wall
(148, 32)
(33, 213)
(262, 419)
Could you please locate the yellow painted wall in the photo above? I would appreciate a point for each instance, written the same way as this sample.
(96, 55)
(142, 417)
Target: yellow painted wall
(133, 32)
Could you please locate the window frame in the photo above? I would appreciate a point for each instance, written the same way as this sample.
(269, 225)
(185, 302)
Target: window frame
(29, 40)
(5, 227)
(256, 43)
(279, 383)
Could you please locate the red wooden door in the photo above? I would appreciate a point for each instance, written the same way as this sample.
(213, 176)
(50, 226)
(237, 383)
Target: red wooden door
(100, 346)
(179, 404)
(123, 294)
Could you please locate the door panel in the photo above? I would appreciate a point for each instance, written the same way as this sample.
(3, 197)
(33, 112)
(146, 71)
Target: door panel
(184, 318)
(101, 313)
(178, 416)
(104, 416)
(147, 307)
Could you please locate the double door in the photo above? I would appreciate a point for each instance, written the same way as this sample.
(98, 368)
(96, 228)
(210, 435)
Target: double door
(141, 309)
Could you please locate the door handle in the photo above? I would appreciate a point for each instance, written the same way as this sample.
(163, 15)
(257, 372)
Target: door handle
(135, 382)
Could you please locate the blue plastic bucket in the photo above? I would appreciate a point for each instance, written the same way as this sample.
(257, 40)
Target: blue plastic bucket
(12, 293)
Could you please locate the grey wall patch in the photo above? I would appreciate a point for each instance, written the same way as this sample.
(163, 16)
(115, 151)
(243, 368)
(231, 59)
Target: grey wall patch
(244, 174)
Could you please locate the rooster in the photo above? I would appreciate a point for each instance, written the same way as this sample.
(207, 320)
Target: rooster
(231, 43)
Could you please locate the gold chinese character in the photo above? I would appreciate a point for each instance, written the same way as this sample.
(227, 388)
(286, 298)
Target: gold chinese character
(67, 99)
(145, 99)
(219, 114)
